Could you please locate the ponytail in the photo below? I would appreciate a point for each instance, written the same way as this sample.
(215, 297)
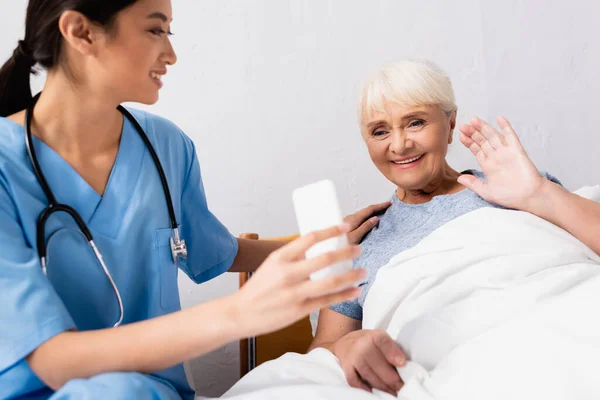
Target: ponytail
(42, 45)
(15, 74)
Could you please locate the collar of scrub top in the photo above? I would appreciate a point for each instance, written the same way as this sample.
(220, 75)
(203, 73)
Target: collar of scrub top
(178, 246)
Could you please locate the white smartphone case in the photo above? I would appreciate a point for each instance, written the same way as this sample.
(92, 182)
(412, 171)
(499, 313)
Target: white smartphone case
(317, 208)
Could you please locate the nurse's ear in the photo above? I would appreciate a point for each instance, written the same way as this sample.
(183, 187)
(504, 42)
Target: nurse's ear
(79, 33)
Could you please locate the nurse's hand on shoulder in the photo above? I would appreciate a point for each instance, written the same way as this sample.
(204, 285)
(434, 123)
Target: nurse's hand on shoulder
(281, 292)
(362, 221)
(512, 179)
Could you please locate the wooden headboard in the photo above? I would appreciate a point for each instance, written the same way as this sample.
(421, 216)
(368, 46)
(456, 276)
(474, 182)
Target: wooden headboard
(257, 350)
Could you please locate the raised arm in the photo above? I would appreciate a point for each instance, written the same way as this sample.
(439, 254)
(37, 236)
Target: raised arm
(513, 181)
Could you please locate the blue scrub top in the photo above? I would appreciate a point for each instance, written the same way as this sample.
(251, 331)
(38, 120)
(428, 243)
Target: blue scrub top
(131, 227)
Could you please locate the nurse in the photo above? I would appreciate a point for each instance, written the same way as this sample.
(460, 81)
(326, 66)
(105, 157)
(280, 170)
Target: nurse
(56, 329)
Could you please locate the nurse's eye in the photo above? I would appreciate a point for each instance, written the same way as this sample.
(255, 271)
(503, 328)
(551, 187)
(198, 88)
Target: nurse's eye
(160, 32)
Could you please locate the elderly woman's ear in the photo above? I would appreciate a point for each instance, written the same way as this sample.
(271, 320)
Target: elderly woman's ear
(452, 126)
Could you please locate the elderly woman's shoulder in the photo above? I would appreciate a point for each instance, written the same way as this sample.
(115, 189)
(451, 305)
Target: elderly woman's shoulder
(481, 175)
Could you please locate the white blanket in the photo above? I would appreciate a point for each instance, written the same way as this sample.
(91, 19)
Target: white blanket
(496, 304)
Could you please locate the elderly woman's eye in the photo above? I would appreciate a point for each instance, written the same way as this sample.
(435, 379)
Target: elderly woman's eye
(416, 123)
(379, 133)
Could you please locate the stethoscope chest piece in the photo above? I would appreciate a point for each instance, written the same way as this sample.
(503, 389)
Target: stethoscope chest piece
(178, 247)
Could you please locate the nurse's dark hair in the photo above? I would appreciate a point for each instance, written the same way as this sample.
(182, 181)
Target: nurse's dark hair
(42, 45)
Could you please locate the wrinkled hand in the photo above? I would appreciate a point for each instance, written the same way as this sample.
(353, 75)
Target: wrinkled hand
(369, 359)
(362, 221)
(512, 178)
(281, 292)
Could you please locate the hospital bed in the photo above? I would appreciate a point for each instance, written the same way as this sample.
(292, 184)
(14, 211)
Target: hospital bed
(257, 350)
(511, 298)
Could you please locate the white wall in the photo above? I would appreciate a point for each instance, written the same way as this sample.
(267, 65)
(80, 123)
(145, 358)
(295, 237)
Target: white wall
(267, 90)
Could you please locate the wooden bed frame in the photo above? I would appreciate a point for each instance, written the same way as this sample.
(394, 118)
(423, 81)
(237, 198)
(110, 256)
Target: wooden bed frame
(257, 350)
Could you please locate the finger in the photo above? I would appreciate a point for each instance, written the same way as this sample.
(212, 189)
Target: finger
(333, 284)
(356, 235)
(467, 129)
(476, 123)
(476, 185)
(360, 216)
(477, 152)
(355, 380)
(483, 143)
(376, 208)
(318, 303)
(466, 141)
(296, 249)
(371, 378)
(466, 138)
(384, 370)
(509, 133)
(388, 347)
(306, 267)
(481, 157)
(492, 135)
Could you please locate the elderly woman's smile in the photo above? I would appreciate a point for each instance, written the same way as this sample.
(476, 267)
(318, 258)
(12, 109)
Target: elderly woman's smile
(410, 162)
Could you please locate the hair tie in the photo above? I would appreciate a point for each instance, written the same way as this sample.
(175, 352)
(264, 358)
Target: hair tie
(23, 53)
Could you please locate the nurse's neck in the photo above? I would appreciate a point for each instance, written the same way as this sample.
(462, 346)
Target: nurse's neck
(75, 121)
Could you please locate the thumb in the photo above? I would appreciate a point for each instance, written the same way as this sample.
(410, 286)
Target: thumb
(390, 349)
(476, 185)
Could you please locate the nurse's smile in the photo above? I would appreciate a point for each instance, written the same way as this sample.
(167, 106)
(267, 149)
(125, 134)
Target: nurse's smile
(157, 77)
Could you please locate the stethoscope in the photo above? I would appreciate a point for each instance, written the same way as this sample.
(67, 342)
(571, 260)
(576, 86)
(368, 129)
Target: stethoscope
(178, 246)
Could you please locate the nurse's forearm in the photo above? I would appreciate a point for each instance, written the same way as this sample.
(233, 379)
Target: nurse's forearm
(575, 214)
(252, 253)
(144, 347)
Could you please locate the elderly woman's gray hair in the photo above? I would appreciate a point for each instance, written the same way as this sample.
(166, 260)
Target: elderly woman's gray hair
(409, 83)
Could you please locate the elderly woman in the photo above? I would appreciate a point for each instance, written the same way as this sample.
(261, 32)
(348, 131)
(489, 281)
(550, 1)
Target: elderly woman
(407, 117)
